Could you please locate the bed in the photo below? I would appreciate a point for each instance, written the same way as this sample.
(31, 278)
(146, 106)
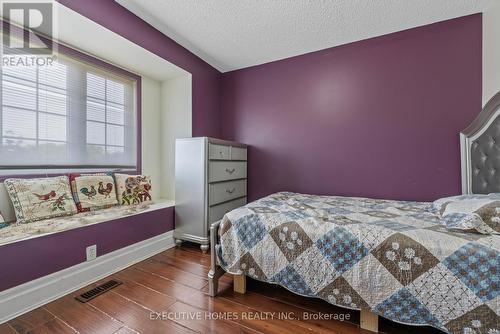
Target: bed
(386, 258)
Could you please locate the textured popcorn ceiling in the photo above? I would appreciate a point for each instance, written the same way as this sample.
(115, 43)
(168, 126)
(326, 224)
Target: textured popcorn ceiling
(233, 34)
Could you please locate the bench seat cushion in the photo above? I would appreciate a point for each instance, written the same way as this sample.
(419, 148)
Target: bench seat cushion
(14, 232)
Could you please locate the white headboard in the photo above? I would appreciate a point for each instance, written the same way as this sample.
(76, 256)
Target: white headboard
(480, 150)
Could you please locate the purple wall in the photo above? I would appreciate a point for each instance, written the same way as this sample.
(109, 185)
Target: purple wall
(206, 79)
(27, 260)
(376, 118)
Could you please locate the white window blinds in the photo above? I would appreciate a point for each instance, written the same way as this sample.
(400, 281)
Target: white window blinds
(66, 116)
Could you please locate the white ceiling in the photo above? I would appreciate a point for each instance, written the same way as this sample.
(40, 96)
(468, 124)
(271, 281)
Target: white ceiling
(233, 34)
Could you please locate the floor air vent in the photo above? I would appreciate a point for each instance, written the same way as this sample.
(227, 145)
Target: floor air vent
(99, 290)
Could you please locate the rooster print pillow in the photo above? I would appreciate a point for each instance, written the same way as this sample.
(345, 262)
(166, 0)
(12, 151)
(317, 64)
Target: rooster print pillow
(133, 189)
(93, 191)
(37, 199)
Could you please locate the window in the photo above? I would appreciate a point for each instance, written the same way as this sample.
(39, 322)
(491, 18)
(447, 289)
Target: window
(70, 115)
(106, 118)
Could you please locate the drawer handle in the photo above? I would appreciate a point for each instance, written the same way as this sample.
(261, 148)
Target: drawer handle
(230, 191)
(221, 153)
(230, 171)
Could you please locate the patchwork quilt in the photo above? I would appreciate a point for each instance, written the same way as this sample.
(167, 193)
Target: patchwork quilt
(391, 257)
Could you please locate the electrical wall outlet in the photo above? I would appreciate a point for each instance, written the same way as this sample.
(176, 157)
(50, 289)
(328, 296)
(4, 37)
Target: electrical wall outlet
(91, 252)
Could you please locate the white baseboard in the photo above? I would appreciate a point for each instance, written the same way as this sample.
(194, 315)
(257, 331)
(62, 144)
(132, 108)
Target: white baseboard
(28, 296)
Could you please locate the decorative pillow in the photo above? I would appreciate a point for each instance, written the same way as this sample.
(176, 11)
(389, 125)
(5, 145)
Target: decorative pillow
(479, 213)
(37, 199)
(2, 221)
(93, 191)
(133, 189)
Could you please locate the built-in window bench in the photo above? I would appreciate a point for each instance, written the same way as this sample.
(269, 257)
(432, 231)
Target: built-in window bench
(10, 233)
(49, 256)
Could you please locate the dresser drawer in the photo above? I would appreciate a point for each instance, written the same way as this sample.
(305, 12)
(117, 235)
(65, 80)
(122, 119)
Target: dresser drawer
(216, 212)
(225, 191)
(219, 152)
(238, 153)
(227, 170)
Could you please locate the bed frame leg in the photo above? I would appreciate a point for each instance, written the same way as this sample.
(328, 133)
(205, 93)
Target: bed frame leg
(213, 284)
(240, 284)
(369, 321)
(215, 270)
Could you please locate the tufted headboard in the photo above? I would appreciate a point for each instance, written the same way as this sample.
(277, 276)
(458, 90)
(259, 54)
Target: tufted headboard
(480, 150)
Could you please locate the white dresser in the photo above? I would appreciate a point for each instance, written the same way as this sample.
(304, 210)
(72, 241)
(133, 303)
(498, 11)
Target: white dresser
(210, 180)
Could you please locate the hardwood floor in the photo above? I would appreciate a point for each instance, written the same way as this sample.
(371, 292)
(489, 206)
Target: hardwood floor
(167, 293)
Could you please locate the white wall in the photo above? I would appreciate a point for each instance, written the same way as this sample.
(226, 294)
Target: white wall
(166, 115)
(491, 52)
(151, 138)
(176, 97)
